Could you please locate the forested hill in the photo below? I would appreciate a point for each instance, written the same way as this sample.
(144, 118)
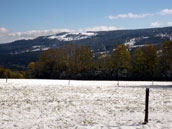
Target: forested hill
(18, 54)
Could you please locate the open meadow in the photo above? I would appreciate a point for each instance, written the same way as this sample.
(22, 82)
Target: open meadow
(44, 104)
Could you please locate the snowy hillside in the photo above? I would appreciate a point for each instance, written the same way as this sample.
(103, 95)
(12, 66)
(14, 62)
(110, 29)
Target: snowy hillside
(82, 105)
(68, 36)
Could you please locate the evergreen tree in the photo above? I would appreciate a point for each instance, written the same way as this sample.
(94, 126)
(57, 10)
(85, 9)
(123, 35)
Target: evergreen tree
(138, 64)
(30, 73)
(150, 61)
(51, 64)
(71, 59)
(165, 60)
(121, 61)
(85, 59)
(104, 66)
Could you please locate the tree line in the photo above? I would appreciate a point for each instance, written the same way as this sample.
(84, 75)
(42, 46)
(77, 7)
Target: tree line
(7, 73)
(79, 62)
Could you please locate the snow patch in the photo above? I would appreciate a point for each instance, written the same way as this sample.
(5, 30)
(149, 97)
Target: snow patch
(37, 46)
(131, 42)
(45, 48)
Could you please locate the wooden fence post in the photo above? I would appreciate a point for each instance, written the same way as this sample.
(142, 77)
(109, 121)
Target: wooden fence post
(117, 83)
(146, 106)
(6, 78)
(68, 82)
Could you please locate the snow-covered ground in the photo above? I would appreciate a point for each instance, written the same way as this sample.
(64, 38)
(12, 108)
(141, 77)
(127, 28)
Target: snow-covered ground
(43, 104)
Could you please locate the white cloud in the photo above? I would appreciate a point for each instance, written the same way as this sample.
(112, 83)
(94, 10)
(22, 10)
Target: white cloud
(133, 15)
(170, 23)
(36, 33)
(129, 15)
(3, 34)
(166, 11)
(3, 31)
(8, 36)
(155, 24)
(102, 28)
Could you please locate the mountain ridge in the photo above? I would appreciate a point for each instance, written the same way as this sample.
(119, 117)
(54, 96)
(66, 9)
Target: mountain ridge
(97, 41)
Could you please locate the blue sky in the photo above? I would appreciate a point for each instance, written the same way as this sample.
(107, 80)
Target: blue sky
(30, 18)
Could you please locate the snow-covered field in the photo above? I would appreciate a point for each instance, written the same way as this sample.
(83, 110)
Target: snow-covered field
(43, 104)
